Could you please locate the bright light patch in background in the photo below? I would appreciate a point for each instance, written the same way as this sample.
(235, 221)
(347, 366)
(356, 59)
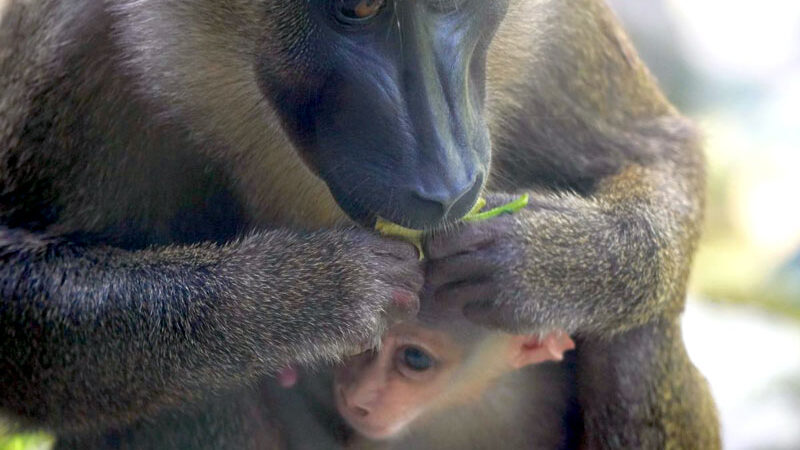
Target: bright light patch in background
(741, 37)
(746, 357)
(763, 177)
(742, 46)
(771, 224)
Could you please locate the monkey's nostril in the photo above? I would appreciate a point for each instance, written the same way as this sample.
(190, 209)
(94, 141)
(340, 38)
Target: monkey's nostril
(466, 200)
(360, 412)
(431, 207)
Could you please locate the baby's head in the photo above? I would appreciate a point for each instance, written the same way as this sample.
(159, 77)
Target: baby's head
(424, 367)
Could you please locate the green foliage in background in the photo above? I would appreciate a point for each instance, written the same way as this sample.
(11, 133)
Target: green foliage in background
(37, 441)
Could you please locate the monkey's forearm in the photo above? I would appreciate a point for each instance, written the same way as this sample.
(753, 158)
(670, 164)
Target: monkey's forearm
(614, 267)
(592, 265)
(616, 260)
(92, 335)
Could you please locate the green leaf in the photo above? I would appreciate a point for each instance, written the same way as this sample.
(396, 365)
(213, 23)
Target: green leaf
(386, 228)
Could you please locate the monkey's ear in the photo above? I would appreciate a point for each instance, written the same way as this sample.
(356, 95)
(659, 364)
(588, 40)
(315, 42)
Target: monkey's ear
(527, 350)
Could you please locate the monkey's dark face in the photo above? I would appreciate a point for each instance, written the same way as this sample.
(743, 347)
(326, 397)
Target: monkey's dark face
(385, 100)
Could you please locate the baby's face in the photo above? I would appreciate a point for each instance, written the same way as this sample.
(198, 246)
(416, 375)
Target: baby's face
(380, 392)
(420, 368)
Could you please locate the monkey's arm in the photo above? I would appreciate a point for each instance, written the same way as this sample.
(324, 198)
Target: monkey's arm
(597, 265)
(93, 336)
(606, 251)
(612, 269)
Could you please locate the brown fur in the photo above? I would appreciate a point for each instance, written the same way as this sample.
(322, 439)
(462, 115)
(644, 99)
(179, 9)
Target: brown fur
(136, 146)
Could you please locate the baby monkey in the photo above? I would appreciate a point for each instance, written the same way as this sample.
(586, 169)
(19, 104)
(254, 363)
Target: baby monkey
(421, 371)
(439, 382)
(432, 377)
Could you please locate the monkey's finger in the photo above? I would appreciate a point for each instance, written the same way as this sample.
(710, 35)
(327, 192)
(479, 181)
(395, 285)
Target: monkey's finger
(404, 282)
(410, 275)
(398, 249)
(462, 294)
(448, 302)
(465, 239)
(466, 267)
(404, 305)
(502, 317)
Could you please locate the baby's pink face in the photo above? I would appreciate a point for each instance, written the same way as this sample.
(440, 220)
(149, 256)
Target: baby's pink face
(380, 392)
(417, 369)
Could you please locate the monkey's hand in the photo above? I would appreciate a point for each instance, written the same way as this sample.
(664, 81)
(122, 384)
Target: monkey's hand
(359, 284)
(562, 262)
(481, 267)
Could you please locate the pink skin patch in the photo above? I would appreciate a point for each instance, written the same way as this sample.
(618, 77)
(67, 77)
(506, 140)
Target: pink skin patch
(287, 377)
(403, 298)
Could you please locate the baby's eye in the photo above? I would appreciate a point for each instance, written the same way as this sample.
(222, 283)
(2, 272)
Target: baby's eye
(417, 359)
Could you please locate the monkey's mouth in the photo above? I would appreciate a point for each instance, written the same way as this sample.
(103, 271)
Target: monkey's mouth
(365, 210)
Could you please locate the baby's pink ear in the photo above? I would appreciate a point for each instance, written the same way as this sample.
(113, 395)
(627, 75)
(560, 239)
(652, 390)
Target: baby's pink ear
(527, 350)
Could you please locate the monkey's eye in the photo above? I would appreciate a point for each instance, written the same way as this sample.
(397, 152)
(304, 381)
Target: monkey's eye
(417, 359)
(356, 11)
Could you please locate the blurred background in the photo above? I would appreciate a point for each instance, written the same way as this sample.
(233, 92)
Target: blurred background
(734, 66)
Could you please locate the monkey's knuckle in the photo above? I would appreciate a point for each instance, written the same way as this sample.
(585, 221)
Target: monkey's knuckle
(417, 279)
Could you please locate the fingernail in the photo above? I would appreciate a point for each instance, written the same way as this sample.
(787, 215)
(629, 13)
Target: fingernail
(403, 298)
(404, 303)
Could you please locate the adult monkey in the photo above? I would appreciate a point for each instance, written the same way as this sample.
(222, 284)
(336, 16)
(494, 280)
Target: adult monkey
(140, 139)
